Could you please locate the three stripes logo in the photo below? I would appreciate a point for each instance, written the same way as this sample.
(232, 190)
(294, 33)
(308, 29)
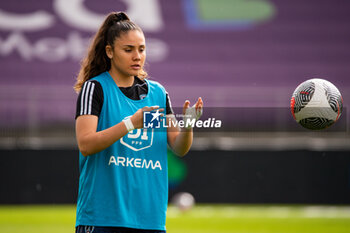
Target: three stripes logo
(86, 98)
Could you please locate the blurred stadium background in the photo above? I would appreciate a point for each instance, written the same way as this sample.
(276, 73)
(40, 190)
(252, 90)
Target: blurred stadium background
(243, 57)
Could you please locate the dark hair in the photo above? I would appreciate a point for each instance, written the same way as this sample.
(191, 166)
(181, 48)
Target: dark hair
(96, 61)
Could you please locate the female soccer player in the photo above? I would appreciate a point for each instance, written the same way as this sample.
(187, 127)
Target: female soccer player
(123, 185)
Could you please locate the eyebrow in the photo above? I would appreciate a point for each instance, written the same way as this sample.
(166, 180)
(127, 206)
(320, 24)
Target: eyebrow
(133, 46)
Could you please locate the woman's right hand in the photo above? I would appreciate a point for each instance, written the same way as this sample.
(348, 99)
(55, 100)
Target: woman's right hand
(137, 118)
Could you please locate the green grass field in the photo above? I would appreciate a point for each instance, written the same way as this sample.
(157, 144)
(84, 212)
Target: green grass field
(201, 219)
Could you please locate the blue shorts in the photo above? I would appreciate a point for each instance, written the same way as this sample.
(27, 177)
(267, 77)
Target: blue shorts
(92, 229)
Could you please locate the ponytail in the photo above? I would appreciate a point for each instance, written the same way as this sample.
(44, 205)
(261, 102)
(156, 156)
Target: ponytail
(96, 61)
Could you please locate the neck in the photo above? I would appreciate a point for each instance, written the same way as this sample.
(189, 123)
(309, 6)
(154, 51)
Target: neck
(121, 80)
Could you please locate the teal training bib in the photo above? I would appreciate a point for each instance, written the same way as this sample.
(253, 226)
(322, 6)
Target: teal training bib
(125, 185)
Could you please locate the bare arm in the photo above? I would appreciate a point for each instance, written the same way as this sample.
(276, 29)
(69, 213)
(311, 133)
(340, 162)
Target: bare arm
(91, 142)
(180, 140)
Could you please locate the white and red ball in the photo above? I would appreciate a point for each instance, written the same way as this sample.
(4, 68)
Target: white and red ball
(316, 104)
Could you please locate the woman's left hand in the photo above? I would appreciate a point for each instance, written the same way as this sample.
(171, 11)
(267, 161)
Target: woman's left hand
(198, 106)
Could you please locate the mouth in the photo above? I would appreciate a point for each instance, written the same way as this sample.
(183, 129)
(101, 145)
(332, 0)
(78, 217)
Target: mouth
(136, 67)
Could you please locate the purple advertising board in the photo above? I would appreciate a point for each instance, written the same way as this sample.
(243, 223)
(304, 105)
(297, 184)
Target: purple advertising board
(237, 53)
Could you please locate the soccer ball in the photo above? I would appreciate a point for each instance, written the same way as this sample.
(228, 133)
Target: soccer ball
(183, 201)
(316, 104)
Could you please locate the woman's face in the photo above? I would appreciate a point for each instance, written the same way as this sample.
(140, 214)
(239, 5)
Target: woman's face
(128, 54)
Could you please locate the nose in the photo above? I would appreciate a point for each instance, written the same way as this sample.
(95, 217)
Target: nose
(137, 56)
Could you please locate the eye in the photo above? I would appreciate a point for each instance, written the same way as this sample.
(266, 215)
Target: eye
(127, 50)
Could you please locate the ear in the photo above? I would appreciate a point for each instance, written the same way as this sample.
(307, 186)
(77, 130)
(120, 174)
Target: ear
(109, 51)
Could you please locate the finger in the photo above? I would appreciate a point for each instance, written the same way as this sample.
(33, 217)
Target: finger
(196, 105)
(185, 106)
(200, 101)
(149, 109)
(200, 109)
(199, 104)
